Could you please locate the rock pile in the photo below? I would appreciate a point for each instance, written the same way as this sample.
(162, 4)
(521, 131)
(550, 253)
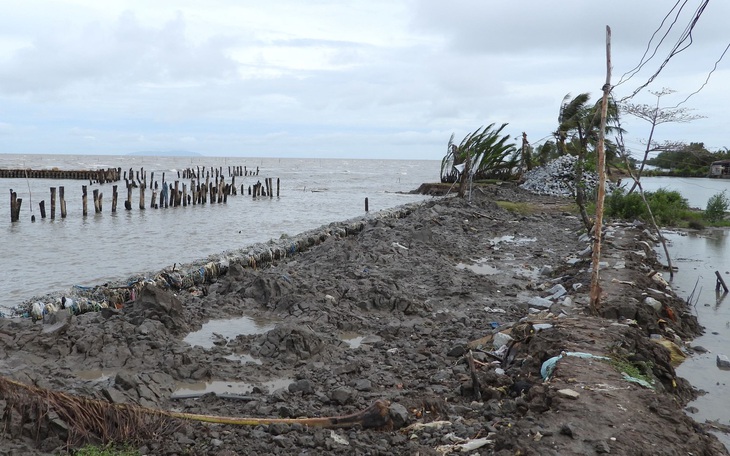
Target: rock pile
(557, 178)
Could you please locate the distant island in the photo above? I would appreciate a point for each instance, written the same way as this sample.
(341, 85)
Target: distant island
(167, 153)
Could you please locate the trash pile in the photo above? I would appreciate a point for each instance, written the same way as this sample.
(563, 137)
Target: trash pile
(557, 178)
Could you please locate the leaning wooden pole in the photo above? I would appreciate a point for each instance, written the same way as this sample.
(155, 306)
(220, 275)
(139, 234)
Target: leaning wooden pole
(595, 286)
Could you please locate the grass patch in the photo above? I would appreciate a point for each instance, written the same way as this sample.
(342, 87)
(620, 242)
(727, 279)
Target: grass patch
(634, 370)
(105, 450)
(517, 208)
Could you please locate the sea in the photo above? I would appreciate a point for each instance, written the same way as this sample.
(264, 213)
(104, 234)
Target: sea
(53, 255)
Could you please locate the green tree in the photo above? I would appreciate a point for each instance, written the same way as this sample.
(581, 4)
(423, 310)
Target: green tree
(482, 154)
(579, 128)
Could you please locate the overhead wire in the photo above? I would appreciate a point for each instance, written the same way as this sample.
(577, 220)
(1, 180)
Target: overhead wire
(678, 47)
(707, 79)
(643, 62)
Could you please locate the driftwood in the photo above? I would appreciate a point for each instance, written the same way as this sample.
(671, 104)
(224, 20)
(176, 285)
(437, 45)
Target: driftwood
(85, 420)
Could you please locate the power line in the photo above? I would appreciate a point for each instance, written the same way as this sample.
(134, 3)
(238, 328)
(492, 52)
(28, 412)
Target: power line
(708, 77)
(643, 62)
(678, 47)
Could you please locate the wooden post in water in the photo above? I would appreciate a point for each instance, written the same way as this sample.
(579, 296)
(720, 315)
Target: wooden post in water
(366, 204)
(114, 198)
(128, 203)
(14, 207)
(62, 199)
(207, 183)
(185, 195)
(141, 196)
(84, 201)
(53, 203)
(720, 282)
(101, 197)
(96, 201)
(42, 206)
(177, 193)
(277, 187)
(153, 200)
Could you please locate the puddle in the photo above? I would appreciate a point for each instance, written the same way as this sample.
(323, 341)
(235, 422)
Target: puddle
(219, 387)
(352, 338)
(244, 358)
(96, 375)
(510, 239)
(229, 329)
(479, 267)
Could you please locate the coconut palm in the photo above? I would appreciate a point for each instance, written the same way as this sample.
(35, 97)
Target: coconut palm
(579, 125)
(482, 154)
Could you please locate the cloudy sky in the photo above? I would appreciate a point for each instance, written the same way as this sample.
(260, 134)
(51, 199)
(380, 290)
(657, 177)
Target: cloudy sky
(335, 78)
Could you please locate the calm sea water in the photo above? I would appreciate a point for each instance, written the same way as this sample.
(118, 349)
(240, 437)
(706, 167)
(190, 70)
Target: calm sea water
(53, 255)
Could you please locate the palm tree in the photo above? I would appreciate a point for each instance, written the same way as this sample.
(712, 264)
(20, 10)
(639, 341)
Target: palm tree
(482, 154)
(579, 125)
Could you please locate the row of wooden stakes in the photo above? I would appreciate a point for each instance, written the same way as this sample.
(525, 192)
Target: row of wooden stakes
(165, 195)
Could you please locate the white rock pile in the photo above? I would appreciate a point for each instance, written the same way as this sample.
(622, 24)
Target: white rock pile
(557, 178)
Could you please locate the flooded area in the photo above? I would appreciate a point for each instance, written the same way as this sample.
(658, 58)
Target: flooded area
(698, 256)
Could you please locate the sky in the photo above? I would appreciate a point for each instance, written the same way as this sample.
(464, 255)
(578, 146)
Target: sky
(341, 79)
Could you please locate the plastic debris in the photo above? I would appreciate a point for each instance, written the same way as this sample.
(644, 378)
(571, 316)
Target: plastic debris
(548, 367)
(638, 381)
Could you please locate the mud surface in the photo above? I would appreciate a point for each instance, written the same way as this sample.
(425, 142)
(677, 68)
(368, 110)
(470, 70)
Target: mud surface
(448, 314)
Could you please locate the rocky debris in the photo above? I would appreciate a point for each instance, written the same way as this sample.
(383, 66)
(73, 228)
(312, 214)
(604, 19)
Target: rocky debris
(557, 178)
(450, 386)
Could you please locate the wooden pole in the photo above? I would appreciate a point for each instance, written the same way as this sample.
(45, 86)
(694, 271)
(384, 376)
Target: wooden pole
(84, 201)
(42, 206)
(114, 198)
(595, 286)
(53, 203)
(141, 196)
(277, 187)
(128, 203)
(96, 201)
(366, 204)
(62, 199)
(14, 212)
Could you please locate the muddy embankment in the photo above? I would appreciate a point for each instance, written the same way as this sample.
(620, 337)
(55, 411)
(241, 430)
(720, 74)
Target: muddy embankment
(469, 319)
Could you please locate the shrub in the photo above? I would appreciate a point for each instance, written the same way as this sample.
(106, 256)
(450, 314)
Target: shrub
(668, 207)
(717, 205)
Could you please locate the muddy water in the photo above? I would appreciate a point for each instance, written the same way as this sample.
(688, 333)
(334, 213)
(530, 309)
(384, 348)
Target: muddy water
(698, 256)
(228, 329)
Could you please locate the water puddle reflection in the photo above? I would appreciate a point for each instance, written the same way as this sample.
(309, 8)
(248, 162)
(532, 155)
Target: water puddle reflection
(96, 375)
(352, 338)
(228, 329)
(223, 388)
(479, 267)
(244, 358)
